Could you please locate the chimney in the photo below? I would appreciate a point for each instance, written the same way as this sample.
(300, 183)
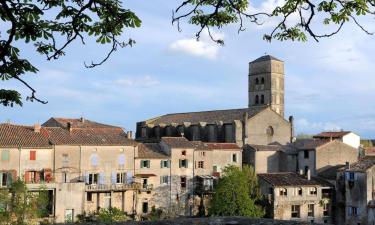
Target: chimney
(129, 134)
(308, 174)
(37, 128)
(82, 119)
(347, 166)
(69, 126)
(291, 121)
(301, 172)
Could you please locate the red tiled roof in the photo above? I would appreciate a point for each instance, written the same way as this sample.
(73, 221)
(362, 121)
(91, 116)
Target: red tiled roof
(74, 123)
(222, 146)
(151, 151)
(14, 136)
(370, 151)
(178, 142)
(93, 136)
(333, 134)
(309, 144)
(291, 179)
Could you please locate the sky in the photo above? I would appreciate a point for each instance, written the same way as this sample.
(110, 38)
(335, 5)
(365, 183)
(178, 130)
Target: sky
(329, 85)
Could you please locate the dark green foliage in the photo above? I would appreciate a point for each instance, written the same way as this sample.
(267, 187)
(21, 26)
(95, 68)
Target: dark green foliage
(19, 205)
(237, 194)
(51, 26)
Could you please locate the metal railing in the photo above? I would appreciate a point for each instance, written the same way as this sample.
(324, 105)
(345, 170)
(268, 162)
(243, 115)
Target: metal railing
(113, 187)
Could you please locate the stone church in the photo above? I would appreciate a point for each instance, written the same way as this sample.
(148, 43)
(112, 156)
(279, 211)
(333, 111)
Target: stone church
(262, 123)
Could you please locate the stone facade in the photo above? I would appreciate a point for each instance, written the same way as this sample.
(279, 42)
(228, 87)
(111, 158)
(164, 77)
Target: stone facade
(266, 83)
(355, 193)
(293, 197)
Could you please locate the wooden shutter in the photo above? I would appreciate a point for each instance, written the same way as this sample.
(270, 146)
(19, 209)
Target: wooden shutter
(48, 175)
(27, 177)
(32, 155)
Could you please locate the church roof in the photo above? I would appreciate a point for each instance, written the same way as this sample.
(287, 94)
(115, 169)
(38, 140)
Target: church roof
(266, 58)
(214, 116)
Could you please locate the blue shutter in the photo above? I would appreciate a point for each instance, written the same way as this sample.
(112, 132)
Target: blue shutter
(114, 177)
(94, 159)
(86, 177)
(121, 160)
(101, 178)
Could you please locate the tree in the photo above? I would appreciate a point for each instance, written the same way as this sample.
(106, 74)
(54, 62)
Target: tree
(111, 215)
(20, 206)
(53, 25)
(236, 194)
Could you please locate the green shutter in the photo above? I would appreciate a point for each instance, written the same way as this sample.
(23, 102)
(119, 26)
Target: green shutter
(161, 164)
(141, 163)
(148, 163)
(5, 155)
(180, 162)
(9, 179)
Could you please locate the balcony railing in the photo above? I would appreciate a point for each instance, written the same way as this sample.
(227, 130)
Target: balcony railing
(113, 187)
(146, 187)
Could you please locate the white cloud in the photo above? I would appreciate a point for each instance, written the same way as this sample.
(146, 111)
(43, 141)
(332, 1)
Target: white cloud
(145, 81)
(205, 47)
(303, 125)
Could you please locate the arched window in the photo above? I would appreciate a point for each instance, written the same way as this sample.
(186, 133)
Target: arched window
(256, 81)
(256, 100)
(270, 131)
(262, 99)
(262, 80)
(94, 159)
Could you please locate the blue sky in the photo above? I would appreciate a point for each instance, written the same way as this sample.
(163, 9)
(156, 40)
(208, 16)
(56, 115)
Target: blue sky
(329, 84)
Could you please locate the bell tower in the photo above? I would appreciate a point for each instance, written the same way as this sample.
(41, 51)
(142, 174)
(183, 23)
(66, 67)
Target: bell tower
(266, 83)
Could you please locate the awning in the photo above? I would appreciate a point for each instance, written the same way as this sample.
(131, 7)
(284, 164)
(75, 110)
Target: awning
(144, 175)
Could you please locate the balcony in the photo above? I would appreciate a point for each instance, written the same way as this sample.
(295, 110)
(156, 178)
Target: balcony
(146, 187)
(112, 187)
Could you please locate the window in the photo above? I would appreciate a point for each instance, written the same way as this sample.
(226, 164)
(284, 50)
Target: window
(145, 163)
(262, 80)
(295, 211)
(256, 81)
(89, 197)
(164, 164)
(313, 191)
(183, 153)
(203, 154)
(299, 191)
(94, 159)
(262, 99)
(215, 169)
(201, 164)
(164, 179)
(64, 177)
(93, 178)
(183, 182)
(325, 209)
(183, 163)
(270, 131)
(306, 154)
(310, 210)
(306, 170)
(32, 155)
(5, 155)
(283, 192)
(145, 207)
(121, 178)
(32, 176)
(256, 100)
(5, 179)
(234, 158)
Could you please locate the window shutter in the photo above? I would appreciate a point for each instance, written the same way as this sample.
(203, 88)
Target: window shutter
(355, 176)
(347, 175)
(358, 211)
(148, 163)
(114, 176)
(179, 163)
(86, 177)
(169, 163)
(101, 178)
(141, 164)
(161, 164)
(187, 163)
(9, 179)
(32, 155)
(169, 179)
(27, 177)
(129, 177)
(349, 211)
(5, 155)
(161, 180)
(121, 160)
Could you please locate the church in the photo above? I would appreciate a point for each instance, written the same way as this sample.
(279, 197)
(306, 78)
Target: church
(262, 123)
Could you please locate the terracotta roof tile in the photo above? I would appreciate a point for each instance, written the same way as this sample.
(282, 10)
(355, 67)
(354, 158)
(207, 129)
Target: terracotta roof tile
(179, 142)
(75, 123)
(14, 136)
(363, 164)
(291, 179)
(309, 144)
(333, 134)
(151, 151)
(223, 146)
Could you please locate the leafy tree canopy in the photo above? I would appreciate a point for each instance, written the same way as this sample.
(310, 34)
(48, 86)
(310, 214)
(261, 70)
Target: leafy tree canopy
(237, 194)
(18, 205)
(52, 25)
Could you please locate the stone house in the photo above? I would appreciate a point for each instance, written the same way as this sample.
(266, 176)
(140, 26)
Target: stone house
(294, 197)
(320, 155)
(346, 137)
(355, 192)
(261, 123)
